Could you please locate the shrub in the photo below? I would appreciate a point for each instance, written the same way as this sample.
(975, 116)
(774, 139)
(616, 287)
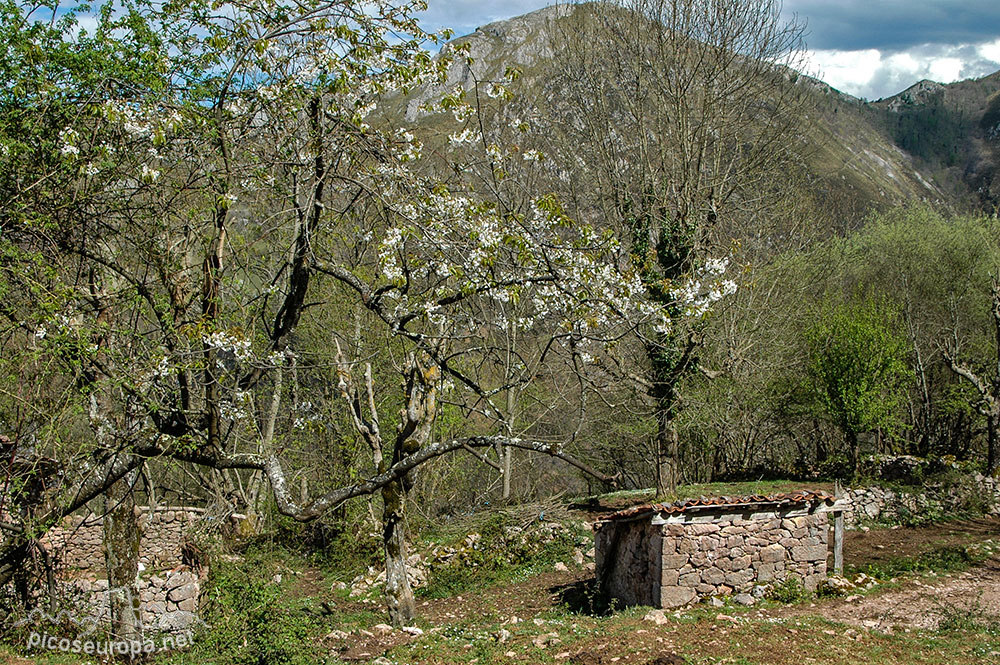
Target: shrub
(502, 550)
(252, 620)
(789, 590)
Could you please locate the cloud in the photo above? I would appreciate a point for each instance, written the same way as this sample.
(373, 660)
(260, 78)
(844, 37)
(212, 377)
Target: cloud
(990, 51)
(895, 25)
(464, 16)
(867, 48)
(874, 74)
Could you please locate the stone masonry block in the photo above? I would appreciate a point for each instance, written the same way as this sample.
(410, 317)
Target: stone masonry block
(676, 596)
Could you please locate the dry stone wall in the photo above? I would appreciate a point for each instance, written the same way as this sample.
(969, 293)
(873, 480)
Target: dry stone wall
(628, 557)
(884, 504)
(78, 542)
(168, 600)
(672, 562)
(737, 552)
(168, 588)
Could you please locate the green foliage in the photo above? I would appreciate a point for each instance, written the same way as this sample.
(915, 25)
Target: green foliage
(789, 590)
(857, 362)
(943, 559)
(345, 544)
(505, 551)
(254, 620)
(835, 466)
(928, 128)
(968, 617)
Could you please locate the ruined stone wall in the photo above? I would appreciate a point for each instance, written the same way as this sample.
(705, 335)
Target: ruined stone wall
(884, 504)
(168, 589)
(734, 552)
(940, 486)
(77, 543)
(168, 600)
(627, 557)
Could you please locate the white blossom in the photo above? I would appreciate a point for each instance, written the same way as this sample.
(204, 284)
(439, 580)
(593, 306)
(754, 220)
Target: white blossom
(150, 174)
(699, 293)
(69, 137)
(467, 135)
(238, 346)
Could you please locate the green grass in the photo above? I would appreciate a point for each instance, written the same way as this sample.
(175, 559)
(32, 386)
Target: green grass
(695, 490)
(700, 638)
(255, 617)
(940, 560)
(748, 487)
(501, 558)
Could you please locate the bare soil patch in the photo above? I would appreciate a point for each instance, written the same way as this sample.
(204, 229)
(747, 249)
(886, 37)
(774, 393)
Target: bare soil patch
(882, 545)
(924, 603)
(875, 619)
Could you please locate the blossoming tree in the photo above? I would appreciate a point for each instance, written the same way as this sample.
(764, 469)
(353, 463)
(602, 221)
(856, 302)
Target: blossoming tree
(213, 177)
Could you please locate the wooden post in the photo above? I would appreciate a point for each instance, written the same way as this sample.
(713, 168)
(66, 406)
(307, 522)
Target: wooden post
(838, 542)
(838, 535)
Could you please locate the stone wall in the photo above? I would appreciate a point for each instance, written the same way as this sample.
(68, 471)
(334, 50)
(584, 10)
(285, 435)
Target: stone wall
(671, 562)
(737, 551)
(884, 504)
(168, 600)
(77, 542)
(168, 587)
(627, 557)
(870, 504)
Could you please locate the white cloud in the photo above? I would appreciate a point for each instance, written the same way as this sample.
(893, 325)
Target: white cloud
(874, 74)
(873, 49)
(946, 69)
(84, 22)
(845, 70)
(990, 51)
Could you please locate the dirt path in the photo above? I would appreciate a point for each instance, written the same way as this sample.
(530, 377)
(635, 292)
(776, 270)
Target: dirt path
(924, 602)
(970, 596)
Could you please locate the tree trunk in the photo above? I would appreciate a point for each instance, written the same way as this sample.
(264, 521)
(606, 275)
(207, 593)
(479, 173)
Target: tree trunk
(991, 443)
(121, 550)
(853, 450)
(506, 452)
(667, 453)
(398, 594)
(505, 464)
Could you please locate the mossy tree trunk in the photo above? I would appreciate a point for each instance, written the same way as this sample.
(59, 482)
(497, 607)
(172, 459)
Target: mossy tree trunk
(398, 593)
(121, 551)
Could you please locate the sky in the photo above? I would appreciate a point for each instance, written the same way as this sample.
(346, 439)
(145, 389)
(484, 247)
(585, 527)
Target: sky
(866, 48)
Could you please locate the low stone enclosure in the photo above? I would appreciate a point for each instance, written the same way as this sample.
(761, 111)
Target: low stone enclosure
(667, 555)
(170, 574)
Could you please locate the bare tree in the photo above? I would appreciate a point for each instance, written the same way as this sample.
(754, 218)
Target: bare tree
(988, 388)
(672, 119)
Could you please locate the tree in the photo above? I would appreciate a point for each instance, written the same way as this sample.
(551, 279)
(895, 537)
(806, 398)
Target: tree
(246, 192)
(857, 362)
(988, 389)
(672, 120)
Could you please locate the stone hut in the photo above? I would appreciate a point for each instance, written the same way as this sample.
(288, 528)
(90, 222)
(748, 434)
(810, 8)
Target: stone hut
(668, 555)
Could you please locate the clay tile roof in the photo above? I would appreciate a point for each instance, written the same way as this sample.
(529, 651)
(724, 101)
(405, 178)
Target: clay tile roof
(703, 503)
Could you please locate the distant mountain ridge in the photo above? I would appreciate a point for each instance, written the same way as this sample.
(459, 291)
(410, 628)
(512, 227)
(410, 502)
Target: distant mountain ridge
(933, 142)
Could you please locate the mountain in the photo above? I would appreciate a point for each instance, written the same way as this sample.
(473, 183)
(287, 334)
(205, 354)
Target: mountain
(932, 142)
(953, 133)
